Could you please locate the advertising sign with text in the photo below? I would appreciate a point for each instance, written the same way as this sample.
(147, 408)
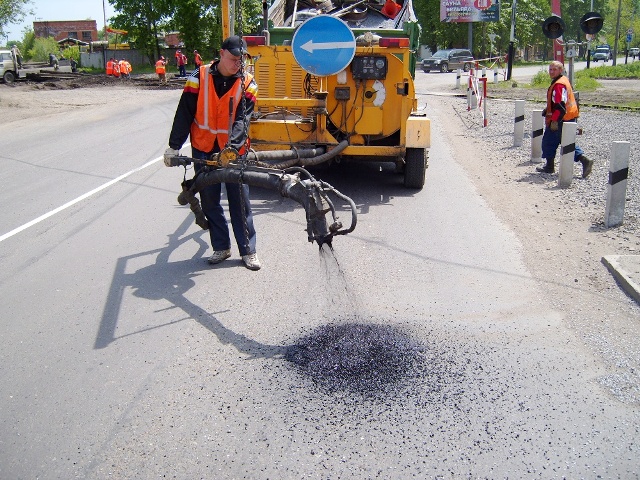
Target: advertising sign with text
(465, 11)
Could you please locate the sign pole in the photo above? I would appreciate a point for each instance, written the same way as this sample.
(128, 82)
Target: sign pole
(512, 39)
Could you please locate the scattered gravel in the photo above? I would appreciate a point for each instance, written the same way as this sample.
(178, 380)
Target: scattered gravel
(601, 127)
(561, 230)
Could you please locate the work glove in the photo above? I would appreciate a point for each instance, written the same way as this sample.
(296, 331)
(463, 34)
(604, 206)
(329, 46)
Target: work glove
(553, 126)
(168, 154)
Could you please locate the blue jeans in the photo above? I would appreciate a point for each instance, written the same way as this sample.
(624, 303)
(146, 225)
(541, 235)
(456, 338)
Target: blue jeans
(218, 227)
(550, 142)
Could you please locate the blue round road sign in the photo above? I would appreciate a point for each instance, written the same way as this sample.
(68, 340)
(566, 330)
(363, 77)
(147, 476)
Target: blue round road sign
(323, 45)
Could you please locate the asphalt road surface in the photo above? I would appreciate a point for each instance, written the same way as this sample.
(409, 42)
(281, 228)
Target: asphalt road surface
(420, 347)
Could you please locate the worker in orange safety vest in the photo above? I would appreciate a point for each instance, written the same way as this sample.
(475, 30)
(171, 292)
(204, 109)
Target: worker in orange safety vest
(161, 70)
(125, 68)
(110, 67)
(116, 69)
(197, 59)
(214, 111)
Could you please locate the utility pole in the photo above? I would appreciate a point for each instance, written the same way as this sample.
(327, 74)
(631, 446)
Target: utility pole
(512, 40)
(615, 43)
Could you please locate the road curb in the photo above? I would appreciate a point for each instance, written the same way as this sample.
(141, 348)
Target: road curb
(626, 270)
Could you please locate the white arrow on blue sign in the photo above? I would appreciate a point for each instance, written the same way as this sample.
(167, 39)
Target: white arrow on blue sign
(323, 45)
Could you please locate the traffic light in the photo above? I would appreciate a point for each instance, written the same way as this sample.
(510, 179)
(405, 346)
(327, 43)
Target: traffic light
(591, 23)
(553, 27)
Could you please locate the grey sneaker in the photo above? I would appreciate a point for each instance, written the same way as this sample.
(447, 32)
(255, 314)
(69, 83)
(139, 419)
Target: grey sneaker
(219, 256)
(251, 261)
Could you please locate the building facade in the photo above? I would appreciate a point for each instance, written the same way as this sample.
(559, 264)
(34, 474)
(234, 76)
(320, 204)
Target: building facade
(83, 30)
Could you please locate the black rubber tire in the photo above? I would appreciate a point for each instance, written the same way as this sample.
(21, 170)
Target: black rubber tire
(9, 77)
(415, 168)
(426, 70)
(444, 67)
(467, 67)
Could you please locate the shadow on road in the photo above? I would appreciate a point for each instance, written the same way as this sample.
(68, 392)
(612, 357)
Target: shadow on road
(170, 281)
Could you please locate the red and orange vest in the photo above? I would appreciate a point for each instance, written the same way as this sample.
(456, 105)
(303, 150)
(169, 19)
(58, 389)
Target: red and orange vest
(571, 105)
(211, 121)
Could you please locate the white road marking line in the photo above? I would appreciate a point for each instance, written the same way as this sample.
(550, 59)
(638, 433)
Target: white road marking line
(15, 231)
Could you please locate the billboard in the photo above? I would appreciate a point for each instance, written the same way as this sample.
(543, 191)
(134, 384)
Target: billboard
(465, 11)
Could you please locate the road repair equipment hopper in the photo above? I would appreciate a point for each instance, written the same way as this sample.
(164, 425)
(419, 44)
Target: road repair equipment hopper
(339, 77)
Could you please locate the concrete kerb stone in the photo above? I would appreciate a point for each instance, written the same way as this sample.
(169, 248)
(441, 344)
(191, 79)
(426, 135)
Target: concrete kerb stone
(626, 270)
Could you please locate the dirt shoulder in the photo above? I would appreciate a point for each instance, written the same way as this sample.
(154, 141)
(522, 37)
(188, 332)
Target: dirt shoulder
(27, 99)
(611, 93)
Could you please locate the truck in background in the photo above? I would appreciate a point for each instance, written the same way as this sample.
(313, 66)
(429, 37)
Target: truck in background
(9, 71)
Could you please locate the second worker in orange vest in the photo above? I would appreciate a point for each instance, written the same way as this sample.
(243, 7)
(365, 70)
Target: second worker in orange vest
(215, 107)
(561, 107)
(161, 70)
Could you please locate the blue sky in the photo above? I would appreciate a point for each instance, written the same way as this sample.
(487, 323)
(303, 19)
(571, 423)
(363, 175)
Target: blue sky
(61, 10)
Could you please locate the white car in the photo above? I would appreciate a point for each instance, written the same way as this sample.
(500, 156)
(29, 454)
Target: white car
(602, 54)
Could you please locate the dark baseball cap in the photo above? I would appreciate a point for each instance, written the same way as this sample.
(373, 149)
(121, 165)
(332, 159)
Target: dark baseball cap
(235, 45)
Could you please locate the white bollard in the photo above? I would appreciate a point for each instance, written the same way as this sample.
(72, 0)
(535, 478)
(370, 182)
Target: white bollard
(458, 75)
(484, 72)
(518, 128)
(495, 74)
(567, 154)
(617, 186)
(537, 129)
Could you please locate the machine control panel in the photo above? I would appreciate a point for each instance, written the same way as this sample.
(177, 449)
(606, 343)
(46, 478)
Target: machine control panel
(367, 67)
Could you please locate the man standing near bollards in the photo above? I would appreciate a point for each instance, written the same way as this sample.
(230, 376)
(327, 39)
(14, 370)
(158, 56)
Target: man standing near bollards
(561, 107)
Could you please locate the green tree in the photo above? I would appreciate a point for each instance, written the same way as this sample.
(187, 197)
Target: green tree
(144, 20)
(530, 15)
(42, 47)
(28, 41)
(13, 11)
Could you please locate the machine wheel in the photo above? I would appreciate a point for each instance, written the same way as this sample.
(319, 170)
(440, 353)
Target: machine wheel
(467, 67)
(444, 67)
(9, 76)
(415, 167)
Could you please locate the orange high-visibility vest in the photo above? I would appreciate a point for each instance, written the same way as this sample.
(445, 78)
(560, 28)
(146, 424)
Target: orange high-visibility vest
(124, 69)
(161, 66)
(571, 105)
(110, 67)
(116, 69)
(211, 121)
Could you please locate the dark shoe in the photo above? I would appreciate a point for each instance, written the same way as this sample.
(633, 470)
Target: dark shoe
(587, 165)
(548, 168)
(219, 256)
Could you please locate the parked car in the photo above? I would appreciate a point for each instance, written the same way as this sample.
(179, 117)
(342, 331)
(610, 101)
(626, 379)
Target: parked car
(634, 52)
(602, 53)
(448, 60)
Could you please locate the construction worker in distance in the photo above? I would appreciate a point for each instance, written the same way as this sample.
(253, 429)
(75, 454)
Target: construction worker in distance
(182, 65)
(110, 67)
(214, 111)
(124, 68)
(197, 58)
(116, 68)
(161, 70)
(15, 52)
(561, 107)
